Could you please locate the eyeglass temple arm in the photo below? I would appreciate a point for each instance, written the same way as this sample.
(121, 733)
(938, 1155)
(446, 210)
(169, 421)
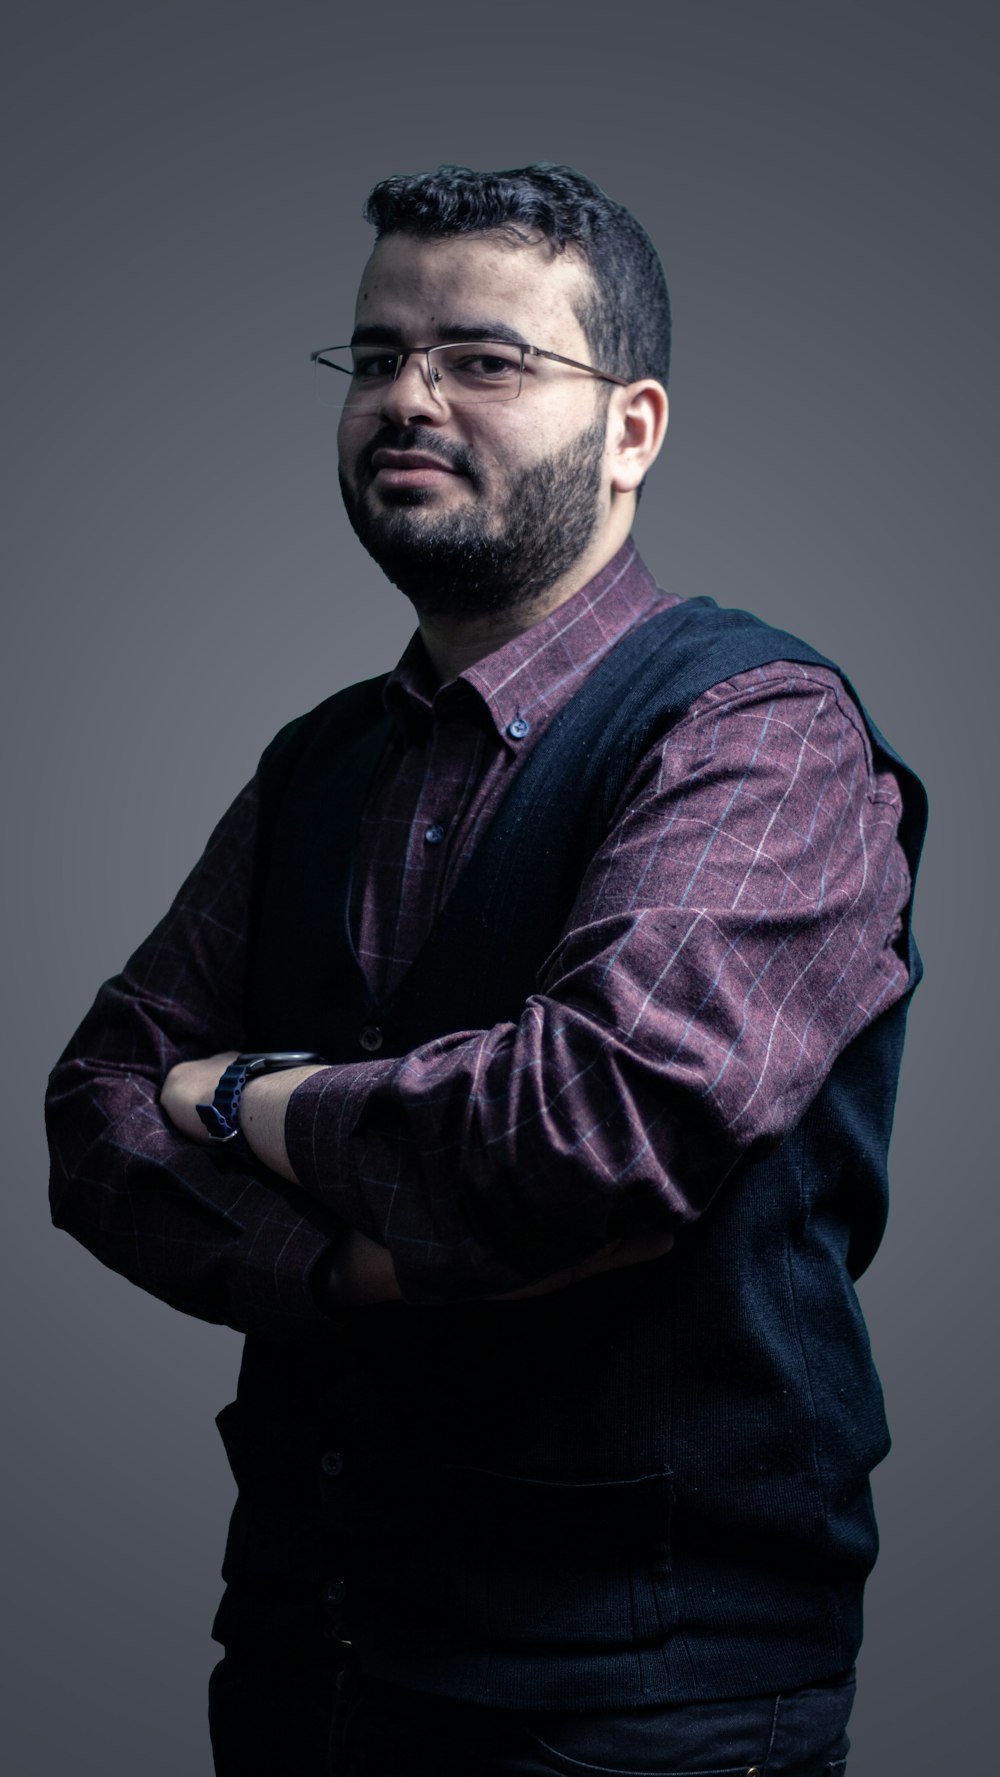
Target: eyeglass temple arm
(605, 375)
(324, 363)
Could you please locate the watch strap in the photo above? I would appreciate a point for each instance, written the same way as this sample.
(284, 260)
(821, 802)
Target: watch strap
(221, 1116)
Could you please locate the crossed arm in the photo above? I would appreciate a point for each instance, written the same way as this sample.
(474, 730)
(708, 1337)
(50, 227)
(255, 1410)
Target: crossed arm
(730, 938)
(133, 1178)
(361, 1271)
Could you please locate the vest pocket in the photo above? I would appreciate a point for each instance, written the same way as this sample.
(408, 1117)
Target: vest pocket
(543, 1563)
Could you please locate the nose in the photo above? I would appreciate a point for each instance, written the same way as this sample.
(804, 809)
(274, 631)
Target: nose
(413, 396)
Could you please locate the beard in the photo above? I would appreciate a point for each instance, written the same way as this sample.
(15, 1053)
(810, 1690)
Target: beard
(477, 562)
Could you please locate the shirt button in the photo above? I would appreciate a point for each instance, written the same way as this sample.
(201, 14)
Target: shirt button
(370, 1038)
(434, 835)
(331, 1462)
(518, 728)
(334, 1592)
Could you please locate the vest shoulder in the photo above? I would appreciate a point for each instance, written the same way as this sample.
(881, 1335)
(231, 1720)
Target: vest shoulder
(345, 713)
(666, 662)
(699, 622)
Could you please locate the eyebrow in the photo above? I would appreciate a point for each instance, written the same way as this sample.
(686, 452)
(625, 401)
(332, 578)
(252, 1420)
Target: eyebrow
(487, 330)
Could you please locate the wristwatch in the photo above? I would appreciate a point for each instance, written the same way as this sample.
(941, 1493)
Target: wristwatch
(220, 1117)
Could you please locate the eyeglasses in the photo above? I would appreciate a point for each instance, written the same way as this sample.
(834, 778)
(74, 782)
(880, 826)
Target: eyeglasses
(464, 373)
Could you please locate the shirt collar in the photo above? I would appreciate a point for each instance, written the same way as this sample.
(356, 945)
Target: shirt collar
(521, 686)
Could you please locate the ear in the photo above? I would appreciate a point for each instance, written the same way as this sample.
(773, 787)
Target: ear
(637, 424)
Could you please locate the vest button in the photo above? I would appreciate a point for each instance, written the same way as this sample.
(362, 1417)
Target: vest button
(331, 1462)
(370, 1038)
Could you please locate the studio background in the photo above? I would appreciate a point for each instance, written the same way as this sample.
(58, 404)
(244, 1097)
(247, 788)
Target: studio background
(182, 228)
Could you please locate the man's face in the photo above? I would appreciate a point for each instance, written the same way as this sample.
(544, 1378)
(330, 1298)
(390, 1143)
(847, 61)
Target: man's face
(475, 509)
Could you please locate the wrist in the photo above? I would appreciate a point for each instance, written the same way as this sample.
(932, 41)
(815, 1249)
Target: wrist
(261, 1114)
(222, 1116)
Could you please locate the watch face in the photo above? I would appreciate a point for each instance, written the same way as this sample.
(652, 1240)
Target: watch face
(272, 1060)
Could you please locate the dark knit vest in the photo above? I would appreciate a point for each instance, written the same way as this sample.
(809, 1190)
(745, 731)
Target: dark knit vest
(653, 1486)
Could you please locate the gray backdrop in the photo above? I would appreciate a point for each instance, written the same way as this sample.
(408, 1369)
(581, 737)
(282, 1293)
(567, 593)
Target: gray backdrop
(183, 227)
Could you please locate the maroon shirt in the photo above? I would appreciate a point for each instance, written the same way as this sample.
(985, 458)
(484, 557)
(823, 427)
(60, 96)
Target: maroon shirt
(732, 935)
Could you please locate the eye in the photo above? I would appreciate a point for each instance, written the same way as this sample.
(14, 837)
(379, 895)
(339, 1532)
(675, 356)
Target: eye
(370, 367)
(482, 364)
(488, 365)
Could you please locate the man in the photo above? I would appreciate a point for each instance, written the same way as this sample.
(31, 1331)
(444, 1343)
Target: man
(516, 1070)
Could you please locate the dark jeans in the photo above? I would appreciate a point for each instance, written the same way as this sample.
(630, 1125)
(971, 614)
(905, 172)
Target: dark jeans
(339, 1725)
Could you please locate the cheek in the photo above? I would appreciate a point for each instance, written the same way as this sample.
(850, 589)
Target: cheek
(514, 440)
(528, 431)
(352, 435)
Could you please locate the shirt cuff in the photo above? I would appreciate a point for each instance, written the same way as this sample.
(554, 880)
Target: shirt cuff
(320, 1120)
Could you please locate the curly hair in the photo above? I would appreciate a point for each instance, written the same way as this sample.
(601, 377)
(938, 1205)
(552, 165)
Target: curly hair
(626, 316)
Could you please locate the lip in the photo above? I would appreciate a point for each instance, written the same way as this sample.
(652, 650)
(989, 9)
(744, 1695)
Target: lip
(409, 463)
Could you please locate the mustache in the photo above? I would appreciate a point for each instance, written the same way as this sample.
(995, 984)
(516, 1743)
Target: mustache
(424, 439)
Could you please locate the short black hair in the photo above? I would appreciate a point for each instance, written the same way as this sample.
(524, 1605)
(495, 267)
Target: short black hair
(626, 318)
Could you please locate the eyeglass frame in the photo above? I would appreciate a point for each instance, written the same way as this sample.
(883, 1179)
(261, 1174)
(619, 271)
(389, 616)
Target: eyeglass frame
(527, 351)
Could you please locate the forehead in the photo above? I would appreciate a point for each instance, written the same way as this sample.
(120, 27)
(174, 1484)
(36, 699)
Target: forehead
(423, 289)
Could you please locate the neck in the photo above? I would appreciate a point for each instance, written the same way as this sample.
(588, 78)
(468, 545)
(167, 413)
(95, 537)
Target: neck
(454, 643)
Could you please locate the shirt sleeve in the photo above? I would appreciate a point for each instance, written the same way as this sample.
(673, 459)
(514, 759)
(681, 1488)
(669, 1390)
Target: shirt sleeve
(220, 1241)
(737, 928)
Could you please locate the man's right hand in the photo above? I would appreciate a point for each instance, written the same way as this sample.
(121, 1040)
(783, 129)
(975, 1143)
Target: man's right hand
(363, 1272)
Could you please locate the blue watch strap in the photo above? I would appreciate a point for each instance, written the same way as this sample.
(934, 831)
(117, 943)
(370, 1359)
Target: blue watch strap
(220, 1117)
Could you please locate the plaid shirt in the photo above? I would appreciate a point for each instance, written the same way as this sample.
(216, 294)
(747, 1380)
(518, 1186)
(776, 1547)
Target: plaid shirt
(735, 931)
